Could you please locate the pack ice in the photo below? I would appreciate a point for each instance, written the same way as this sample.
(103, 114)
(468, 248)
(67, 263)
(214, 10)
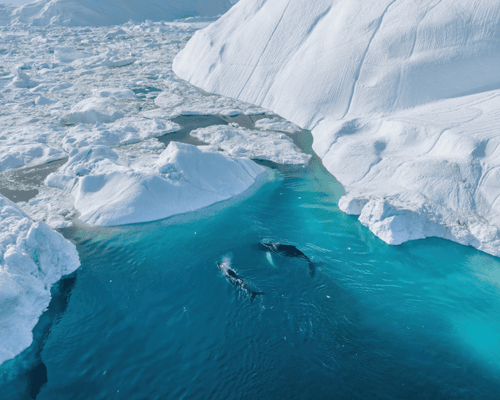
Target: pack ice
(402, 98)
(32, 258)
(106, 12)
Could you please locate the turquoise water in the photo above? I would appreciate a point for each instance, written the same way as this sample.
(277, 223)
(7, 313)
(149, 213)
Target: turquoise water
(149, 315)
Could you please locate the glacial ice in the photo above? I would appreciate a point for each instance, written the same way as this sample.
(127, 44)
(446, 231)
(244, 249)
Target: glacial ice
(112, 190)
(401, 98)
(32, 258)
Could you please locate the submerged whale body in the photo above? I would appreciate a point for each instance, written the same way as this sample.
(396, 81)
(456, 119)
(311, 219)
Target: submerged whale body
(288, 250)
(236, 280)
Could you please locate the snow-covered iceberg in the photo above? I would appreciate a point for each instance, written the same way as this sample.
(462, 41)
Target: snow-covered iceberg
(107, 12)
(32, 258)
(401, 98)
(110, 189)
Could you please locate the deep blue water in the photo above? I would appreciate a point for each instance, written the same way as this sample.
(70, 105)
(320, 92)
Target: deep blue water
(149, 316)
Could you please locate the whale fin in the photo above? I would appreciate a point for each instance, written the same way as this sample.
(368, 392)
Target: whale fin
(270, 258)
(253, 295)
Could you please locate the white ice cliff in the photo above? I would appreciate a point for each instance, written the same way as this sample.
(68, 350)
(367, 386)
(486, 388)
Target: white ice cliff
(107, 12)
(32, 258)
(402, 98)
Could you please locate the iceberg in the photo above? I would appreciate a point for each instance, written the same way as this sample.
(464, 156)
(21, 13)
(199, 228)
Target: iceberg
(33, 257)
(401, 98)
(110, 189)
(106, 12)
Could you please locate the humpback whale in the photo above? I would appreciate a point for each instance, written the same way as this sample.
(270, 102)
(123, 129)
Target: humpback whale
(236, 280)
(287, 250)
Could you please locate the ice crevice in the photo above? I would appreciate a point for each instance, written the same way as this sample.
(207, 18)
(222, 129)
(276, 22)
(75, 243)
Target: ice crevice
(264, 49)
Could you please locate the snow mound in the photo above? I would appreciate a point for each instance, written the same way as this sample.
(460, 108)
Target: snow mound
(106, 12)
(109, 191)
(92, 111)
(401, 98)
(122, 132)
(66, 55)
(238, 141)
(28, 155)
(32, 258)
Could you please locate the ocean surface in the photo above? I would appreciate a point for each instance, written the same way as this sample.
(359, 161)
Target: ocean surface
(149, 315)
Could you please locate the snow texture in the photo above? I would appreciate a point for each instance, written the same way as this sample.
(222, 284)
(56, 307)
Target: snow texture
(32, 258)
(106, 12)
(402, 98)
(113, 190)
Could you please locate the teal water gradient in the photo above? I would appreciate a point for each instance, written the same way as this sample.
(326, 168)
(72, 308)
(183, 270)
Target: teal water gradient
(150, 316)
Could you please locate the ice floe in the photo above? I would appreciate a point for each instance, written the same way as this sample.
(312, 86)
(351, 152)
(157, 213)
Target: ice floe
(27, 154)
(263, 145)
(113, 190)
(401, 98)
(277, 124)
(32, 258)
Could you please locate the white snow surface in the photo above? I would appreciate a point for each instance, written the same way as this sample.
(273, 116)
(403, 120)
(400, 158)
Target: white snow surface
(106, 12)
(262, 145)
(113, 190)
(401, 97)
(32, 258)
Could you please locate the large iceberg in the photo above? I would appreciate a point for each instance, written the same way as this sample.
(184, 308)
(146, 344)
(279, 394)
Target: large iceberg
(107, 12)
(32, 258)
(402, 98)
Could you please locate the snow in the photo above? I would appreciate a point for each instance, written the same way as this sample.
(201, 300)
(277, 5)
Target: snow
(92, 111)
(238, 141)
(113, 190)
(32, 258)
(401, 98)
(106, 12)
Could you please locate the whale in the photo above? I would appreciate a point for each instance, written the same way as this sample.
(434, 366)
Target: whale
(287, 250)
(237, 280)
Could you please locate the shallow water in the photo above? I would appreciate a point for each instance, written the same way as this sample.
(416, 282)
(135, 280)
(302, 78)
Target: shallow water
(21, 184)
(149, 315)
